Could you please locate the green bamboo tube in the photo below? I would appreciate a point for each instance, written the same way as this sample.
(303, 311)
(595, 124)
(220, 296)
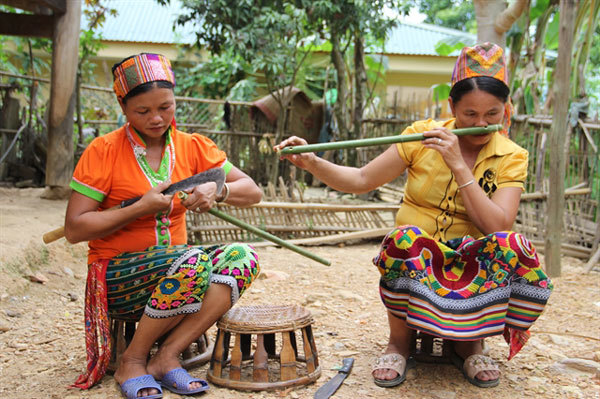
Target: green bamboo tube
(261, 233)
(340, 145)
(266, 236)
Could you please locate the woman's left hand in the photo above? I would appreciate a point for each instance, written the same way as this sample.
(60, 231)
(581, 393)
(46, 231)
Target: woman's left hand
(201, 198)
(446, 143)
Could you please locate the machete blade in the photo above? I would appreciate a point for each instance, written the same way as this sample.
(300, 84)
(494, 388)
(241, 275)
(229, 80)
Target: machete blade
(216, 175)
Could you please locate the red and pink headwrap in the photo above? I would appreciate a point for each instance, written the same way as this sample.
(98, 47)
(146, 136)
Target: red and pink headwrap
(486, 59)
(140, 69)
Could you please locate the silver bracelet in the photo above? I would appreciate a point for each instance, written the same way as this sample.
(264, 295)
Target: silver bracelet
(226, 188)
(466, 184)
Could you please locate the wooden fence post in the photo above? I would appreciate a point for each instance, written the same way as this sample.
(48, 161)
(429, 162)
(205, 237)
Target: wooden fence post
(556, 197)
(65, 54)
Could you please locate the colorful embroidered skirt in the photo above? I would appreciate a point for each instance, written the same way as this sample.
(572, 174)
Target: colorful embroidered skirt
(160, 282)
(167, 281)
(466, 289)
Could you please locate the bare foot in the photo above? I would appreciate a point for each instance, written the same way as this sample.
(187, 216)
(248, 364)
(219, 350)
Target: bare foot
(163, 362)
(464, 349)
(131, 368)
(389, 374)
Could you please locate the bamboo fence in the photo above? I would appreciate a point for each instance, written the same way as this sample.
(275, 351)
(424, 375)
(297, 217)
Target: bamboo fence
(289, 220)
(293, 219)
(247, 140)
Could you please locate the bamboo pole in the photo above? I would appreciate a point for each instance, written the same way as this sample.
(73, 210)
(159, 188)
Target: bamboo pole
(261, 233)
(267, 236)
(381, 140)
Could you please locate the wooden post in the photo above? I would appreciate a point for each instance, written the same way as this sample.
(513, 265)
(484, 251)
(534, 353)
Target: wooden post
(65, 50)
(556, 197)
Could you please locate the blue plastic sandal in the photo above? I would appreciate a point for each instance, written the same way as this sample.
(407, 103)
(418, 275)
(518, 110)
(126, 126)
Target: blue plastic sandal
(178, 380)
(132, 386)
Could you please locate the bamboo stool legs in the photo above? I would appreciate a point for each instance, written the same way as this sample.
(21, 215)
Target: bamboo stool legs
(275, 362)
(122, 331)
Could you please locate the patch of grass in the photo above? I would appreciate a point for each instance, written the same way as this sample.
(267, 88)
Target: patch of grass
(36, 257)
(13, 267)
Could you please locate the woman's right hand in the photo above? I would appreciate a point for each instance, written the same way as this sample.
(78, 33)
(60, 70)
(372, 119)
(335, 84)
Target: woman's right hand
(300, 160)
(154, 200)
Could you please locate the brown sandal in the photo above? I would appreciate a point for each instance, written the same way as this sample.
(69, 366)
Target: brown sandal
(475, 364)
(392, 361)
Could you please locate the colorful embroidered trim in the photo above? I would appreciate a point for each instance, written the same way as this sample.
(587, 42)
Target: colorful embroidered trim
(140, 69)
(486, 59)
(490, 286)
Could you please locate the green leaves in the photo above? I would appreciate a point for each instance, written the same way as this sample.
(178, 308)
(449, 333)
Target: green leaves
(551, 38)
(440, 92)
(448, 46)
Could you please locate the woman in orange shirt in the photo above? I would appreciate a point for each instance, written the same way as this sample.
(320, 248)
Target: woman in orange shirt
(139, 265)
(434, 276)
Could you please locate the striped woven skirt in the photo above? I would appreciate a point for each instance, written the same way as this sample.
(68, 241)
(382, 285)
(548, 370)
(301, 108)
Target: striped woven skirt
(466, 289)
(165, 281)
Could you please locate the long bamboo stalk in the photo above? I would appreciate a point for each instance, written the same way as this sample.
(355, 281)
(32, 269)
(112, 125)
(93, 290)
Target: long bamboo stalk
(261, 233)
(266, 235)
(340, 145)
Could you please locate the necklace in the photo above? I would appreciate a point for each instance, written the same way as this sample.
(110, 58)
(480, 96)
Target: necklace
(167, 163)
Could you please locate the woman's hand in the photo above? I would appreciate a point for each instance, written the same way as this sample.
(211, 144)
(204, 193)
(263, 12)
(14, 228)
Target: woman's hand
(83, 221)
(300, 160)
(154, 200)
(201, 198)
(446, 143)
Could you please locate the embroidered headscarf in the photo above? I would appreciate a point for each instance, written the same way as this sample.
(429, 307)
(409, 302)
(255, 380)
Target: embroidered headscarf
(140, 69)
(486, 59)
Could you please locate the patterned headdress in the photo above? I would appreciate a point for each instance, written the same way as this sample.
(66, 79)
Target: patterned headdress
(486, 59)
(140, 69)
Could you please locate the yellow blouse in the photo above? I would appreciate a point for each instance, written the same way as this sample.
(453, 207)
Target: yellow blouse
(431, 198)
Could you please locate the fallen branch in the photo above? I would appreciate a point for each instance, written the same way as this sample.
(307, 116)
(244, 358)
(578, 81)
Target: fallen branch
(565, 333)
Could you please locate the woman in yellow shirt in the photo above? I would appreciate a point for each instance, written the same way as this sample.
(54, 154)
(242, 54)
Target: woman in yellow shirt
(435, 277)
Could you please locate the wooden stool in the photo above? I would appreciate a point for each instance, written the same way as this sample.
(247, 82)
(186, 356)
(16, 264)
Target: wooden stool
(254, 372)
(121, 332)
(429, 349)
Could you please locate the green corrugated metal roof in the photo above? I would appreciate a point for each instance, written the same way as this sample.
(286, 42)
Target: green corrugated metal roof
(148, 22)
(420, 39)
(145, 21)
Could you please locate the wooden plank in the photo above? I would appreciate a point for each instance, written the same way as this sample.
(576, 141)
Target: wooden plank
(556, 199)
(217, 362)
(235, 367)
(59, 160)
(542, 196)
(593, 261)
(326, 207)
(38, 6)
(58, 6)
(587, 135)
(26, 25)
(308, 351)
(260, 372)
(287, 357)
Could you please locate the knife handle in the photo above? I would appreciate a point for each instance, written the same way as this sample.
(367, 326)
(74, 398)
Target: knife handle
(346, 365)
(130, 201)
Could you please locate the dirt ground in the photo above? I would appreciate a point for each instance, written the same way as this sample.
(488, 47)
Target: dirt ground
(42, 338)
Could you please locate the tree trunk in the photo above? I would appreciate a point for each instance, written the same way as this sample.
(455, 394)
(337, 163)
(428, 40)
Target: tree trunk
(78, 108)
(341, 109)
(494, 19)
(556, 197)
(283, 98)
(65, 48)
(360, 78)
